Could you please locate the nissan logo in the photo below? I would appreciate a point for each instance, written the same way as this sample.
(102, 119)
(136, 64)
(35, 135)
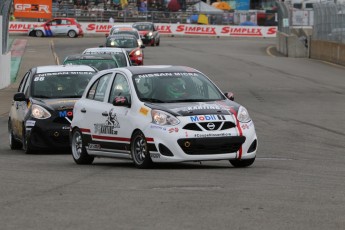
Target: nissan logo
(211, 126)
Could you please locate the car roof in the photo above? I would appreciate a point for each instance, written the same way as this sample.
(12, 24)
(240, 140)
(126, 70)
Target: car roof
(143, 23)
(158, 69)
(122, 25)
(104, 50)
(89, 56)
(62, 68)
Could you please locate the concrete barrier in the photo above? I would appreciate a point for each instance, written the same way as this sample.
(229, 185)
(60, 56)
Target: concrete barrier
(5, 73)
(295, 45)
(328, 51)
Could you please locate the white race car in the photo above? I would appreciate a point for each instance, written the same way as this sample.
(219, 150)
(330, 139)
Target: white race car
(160, 114)
(119, 54)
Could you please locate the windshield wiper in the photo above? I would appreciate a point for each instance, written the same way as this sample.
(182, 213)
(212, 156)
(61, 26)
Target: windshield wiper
(154, 100)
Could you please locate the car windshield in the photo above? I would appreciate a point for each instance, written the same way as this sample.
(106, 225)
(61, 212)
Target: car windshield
(123, 42)
(119, 57)
(100, 64)
(131, 32)
(174, 87)
(68, 84)
(142, 27)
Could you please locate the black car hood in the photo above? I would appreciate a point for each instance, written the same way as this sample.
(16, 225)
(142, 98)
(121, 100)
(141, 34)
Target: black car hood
(59, 104)
(224, 107)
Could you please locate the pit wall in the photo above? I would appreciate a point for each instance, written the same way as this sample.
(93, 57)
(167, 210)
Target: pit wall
(328, 51)
(295, 44)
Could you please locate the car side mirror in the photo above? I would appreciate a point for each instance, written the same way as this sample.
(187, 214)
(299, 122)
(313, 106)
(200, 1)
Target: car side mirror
(142, 46)
(121, 101)
(19, 97)
(230, 96)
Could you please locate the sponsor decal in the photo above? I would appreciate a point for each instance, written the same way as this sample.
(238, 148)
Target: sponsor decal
(65, 113)
(20, 27)
(155, 155)
(243, 31)
(40, 76)
(164, 29)
(110, 126)
(196, 30)
(30, 123)
(213, 135)
(99, 28)
(143, 111)
(207, 118)
(177, 74)
(247, 125)
(158, 127)
(65, 127)
(94, 146)
(171, 130)
(119, 100)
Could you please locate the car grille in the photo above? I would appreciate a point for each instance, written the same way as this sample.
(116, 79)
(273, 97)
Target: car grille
(201, 126)
(61, 136)
(214, 145)
(62, 120)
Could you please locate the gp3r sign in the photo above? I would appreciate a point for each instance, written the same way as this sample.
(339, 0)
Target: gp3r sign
(33, 8)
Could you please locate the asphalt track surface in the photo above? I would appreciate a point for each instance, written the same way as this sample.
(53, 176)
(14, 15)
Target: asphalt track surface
(297, 181)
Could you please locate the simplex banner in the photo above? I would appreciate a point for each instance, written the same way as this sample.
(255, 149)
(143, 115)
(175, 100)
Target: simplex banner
(169, 29)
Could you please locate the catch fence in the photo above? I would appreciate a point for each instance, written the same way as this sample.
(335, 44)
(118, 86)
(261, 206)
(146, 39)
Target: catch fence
(5, 7)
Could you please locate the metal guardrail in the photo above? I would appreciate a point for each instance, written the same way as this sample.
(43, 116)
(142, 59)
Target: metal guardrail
(5, 7)
(329, 22)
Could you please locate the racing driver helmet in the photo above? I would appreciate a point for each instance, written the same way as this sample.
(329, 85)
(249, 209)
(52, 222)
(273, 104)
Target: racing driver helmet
(176, 89)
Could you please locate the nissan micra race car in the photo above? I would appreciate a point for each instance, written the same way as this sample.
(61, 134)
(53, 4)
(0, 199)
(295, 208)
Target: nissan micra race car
(42, 108)
(160, 114)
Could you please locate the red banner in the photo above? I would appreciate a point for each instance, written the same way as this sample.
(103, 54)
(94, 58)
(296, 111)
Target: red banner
(33, 8)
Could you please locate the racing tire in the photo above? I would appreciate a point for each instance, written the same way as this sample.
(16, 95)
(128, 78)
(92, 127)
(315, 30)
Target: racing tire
(242, 163)
(157, 44)
(39, 33)
(139, 151)
(72, 34)
(79, 153)
(153, 42)
(14, 144)
(27, 146)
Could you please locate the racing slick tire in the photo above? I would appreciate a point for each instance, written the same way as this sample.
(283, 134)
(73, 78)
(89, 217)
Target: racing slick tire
(242, 163)
(139, 151)
(153, 42)
(72, 34)
(14, 144)
(39, 33)
(27, 146)
(79, 153)
(157, 44)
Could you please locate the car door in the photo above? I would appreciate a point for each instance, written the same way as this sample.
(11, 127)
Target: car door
(65, 26)
(20, 108)
(112, 130)
(95, 114)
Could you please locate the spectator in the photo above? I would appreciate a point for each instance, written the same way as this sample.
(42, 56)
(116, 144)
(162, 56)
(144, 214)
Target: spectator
(77, 4)
(111, 19)
(84, 4)
(60, 4)
(143, 6)
(116, 4)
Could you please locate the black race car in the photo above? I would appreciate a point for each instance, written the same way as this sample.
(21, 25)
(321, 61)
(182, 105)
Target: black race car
(42, 109)
(149, 34)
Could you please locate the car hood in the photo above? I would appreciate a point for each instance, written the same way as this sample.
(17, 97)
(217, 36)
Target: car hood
(129, 50)
(59, 104)
(224, 107)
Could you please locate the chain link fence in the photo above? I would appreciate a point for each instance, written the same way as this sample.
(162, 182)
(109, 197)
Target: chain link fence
(329, 22)
(283, 18)
(5, 8)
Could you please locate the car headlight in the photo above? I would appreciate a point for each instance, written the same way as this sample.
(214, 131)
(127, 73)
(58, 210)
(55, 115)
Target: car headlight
(39, 112)
(162, 118)
(150, 34)
(243, 115)
(137, 53)
(140, 43)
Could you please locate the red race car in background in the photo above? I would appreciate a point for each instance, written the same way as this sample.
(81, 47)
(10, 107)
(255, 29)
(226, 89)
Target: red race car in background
(58, 27)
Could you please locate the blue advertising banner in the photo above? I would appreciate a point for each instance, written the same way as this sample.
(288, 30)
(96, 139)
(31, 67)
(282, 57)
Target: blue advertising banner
(242, 4)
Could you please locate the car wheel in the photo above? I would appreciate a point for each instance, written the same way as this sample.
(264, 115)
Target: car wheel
(27, 146)
(79, 153)
(139, 151)
(72, 34)
(153, 42)
(14, 144)
(158, 42)
(242, 163)
(39, 33)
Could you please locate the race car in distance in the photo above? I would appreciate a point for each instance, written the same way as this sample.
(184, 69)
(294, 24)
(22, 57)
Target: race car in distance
(149, 34)
(42, 109)
(58, 27)
(160, 114)
(120, 54)
(130, 44)
(98, 61)
(127, 30)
